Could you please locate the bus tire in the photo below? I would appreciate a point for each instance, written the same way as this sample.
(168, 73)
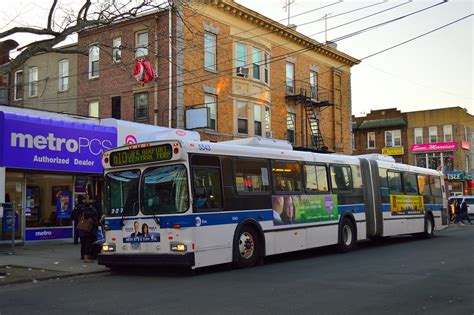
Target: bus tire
(429, 227)
(246, 247)
(347, 236)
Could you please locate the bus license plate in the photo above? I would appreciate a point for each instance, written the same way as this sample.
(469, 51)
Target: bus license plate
(135, 245)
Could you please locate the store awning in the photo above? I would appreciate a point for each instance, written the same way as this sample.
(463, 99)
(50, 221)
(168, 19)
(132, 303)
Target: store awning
(377, 123)
(30, 142)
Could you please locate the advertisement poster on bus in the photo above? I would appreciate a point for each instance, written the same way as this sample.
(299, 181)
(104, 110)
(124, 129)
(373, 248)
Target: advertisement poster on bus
(405, 204)
(293, 209)
(139, 231)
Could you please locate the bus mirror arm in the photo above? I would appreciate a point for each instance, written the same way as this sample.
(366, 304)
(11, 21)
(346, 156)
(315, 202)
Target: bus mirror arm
(157, 220)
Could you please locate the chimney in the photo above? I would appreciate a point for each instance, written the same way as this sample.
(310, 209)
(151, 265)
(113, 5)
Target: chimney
(292, 26)
(331, 44)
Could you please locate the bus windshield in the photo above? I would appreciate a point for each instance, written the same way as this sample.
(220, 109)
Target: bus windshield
(165, 190)
(121, 193)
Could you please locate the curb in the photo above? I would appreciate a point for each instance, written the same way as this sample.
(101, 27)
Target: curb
(67, 275)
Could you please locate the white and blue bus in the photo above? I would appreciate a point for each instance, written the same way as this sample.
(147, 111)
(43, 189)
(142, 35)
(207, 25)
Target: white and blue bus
(198, 204)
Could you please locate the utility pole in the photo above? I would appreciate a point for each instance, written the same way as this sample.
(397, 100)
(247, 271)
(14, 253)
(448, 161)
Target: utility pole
(287, 6)
(326, 27)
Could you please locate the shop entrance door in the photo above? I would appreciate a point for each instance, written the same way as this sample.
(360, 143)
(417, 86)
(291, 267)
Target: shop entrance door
(14, 193)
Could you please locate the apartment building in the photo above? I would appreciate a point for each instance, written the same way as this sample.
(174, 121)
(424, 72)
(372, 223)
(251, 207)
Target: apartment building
(46, 81)
(252, 76)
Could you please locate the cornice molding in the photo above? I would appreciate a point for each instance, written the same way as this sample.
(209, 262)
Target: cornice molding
(266, 23)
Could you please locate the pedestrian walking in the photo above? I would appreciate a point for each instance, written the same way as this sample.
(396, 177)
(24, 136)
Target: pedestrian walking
(459, 217)
(87, 229)
(464, 213)
(76, 215)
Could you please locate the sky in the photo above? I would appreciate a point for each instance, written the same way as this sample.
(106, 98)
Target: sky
(433, 71)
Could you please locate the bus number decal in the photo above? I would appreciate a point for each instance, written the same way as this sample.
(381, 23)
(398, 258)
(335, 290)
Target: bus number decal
(204, 147)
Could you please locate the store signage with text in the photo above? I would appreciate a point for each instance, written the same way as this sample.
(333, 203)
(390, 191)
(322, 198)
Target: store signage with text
(47, 144)
(455, 175)
(438, 146)
(393, 151)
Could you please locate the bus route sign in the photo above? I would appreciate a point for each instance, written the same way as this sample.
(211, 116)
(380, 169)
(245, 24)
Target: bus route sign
(156, 153)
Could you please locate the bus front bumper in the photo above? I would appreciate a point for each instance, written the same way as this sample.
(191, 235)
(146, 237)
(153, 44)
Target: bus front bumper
(182, 260)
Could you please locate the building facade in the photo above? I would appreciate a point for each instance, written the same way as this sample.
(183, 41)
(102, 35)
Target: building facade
(252, 75)
(382, 131)
(441, 139)
(47, 81)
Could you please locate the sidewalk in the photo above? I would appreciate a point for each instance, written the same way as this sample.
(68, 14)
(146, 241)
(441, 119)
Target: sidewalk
(34, 262)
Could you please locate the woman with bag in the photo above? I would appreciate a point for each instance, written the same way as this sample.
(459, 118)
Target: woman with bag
(87, 229)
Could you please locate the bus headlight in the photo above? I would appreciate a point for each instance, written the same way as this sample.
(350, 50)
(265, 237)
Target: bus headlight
(178, 247)
(108, 247)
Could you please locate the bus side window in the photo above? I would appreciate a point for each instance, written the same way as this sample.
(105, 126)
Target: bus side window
(395, 182)
(207, 188)
(341, 178)
(286, 176)
(410, 183)
(384, 185)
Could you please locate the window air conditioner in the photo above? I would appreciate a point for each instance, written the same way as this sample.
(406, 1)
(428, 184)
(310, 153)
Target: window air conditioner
(242, 71)
(268, 134)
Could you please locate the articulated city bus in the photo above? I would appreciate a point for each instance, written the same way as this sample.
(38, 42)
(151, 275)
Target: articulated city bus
(198, 204)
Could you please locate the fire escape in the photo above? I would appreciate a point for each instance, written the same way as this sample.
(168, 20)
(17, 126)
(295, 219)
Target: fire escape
(312, 105)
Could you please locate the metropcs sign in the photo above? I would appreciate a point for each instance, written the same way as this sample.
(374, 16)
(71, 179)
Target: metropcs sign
(47, 144)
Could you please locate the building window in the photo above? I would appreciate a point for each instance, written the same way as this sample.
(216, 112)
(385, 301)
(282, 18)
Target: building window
(313, 83)
(268, 128)
(433, 134)
(371, 140)
(33, 82)
(141, 106)
(94, 109)
(141, 44)
(210, 102)
(290, 127)
(93, 62)
(240, 55)
(418, 135)
(210, 47)
(290, 78)
(242, 117)
(257, 118)
(63, 75)
(266, 61)
(448, 133)
(393, 138)
(18, 88)
(256, 63)
(117, 49)
(116, 107)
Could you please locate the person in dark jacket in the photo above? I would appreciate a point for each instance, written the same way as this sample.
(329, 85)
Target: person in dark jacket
(464, 211)
(76, 215)
(88, 237)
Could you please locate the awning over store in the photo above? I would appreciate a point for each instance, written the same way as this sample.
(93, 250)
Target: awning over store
(30, 142)
(388, 122)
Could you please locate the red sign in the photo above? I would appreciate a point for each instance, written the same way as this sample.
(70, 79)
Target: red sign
(466, 145)
(438, 146)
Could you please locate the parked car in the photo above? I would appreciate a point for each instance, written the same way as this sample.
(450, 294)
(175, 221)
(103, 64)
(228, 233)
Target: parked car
(469, 200)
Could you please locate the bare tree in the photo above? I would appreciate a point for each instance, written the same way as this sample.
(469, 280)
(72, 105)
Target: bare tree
(92, 13)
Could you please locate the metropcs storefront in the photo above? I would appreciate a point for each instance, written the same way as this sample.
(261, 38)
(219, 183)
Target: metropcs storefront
(45, 163)
(48, 159)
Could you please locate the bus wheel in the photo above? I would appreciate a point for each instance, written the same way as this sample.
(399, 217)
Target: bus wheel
(347, 236)
(429, 227)
(246, 247)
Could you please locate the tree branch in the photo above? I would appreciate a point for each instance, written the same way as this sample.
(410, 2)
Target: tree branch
(50, 16)
(30, 30)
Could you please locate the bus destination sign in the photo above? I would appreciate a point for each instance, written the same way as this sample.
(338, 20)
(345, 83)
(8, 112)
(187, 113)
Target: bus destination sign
(141, 155)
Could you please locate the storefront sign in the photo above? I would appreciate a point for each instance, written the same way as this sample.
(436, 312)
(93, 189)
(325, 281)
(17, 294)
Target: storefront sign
(48, 144)
(393, 151)
(455, 175)
(466, 145)
(406, 204)
(43, 234)
(439, 146)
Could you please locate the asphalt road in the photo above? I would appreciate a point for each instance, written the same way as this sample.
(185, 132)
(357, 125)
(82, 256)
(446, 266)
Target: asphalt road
(396, 276)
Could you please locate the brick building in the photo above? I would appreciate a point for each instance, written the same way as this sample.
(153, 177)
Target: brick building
(254, 75)
(382, 131)
(441, 139)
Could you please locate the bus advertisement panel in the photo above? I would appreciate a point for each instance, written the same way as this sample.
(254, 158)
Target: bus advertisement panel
(406, 204)
(293, 209)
